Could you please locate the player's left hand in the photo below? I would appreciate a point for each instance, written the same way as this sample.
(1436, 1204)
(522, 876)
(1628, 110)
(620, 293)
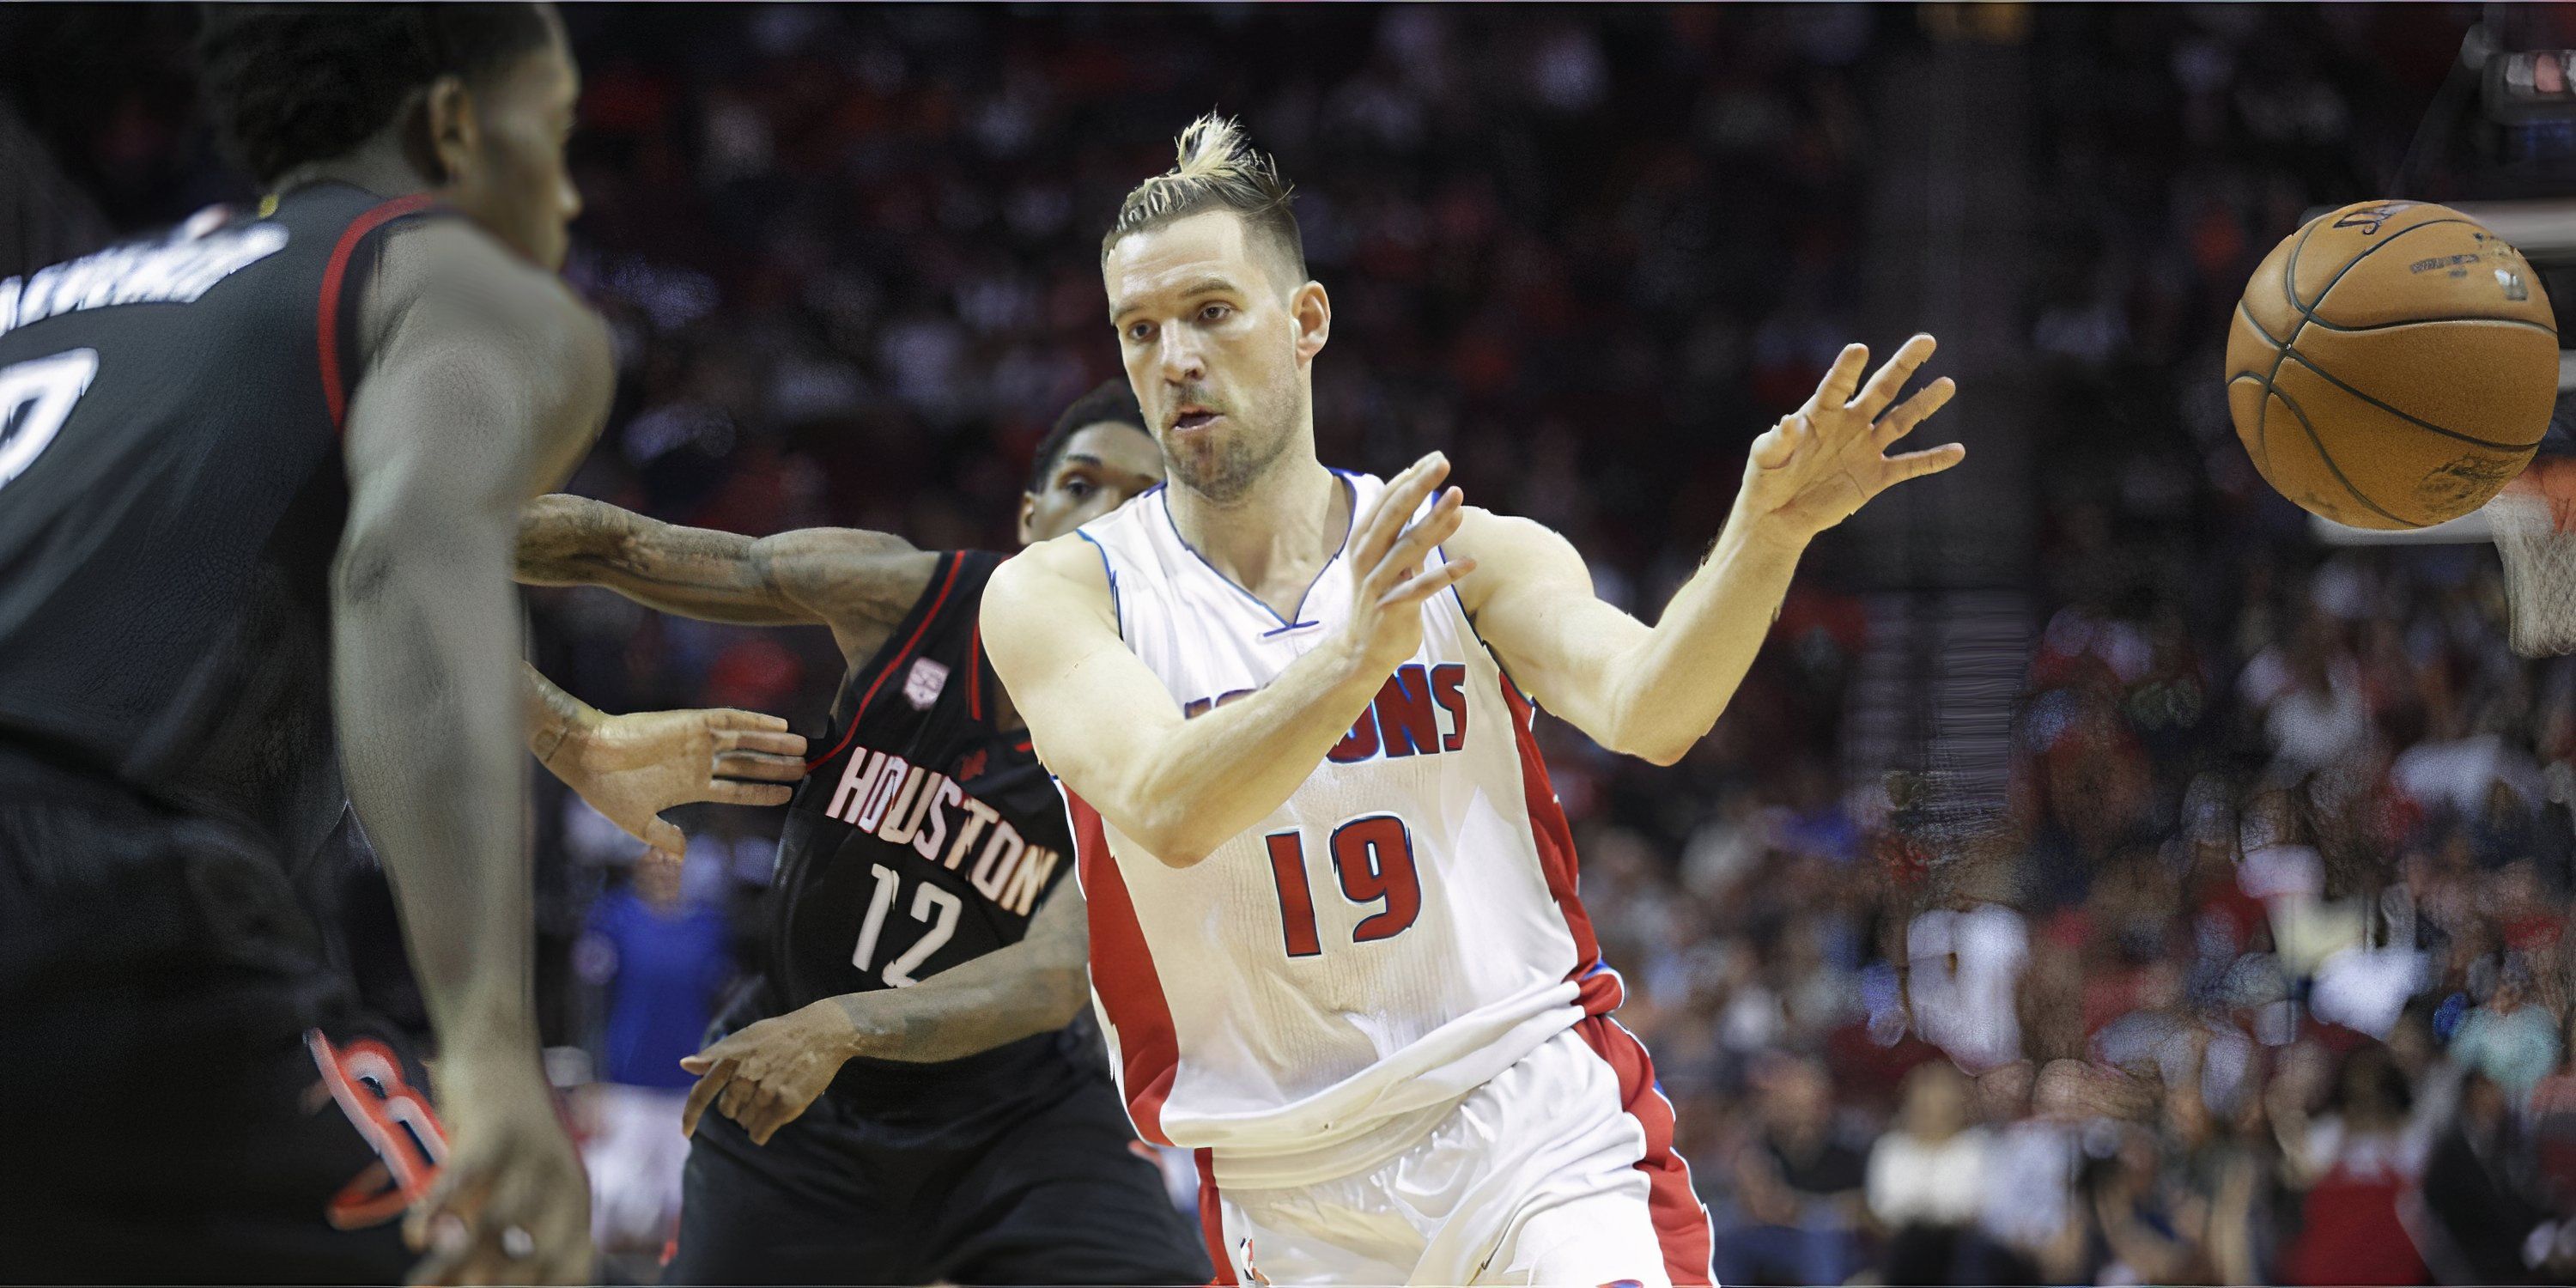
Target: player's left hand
(764, 1076)
(512, 1203)
(1825, 460)
(633, 767)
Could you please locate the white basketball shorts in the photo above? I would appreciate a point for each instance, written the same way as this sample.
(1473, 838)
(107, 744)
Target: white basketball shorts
(1560, 1171)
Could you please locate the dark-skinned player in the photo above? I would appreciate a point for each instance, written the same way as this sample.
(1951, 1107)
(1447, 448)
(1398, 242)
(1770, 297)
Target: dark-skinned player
(900, 1098)
(259, 489)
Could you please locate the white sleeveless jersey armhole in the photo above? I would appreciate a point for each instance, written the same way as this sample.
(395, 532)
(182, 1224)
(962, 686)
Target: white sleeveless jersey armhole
(1253, 1017)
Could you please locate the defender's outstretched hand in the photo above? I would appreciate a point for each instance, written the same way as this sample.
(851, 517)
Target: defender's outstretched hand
(1826, 460)
(633, 767)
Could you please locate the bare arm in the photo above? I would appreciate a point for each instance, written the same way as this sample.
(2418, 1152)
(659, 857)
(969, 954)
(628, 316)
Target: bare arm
(1105, 725)
(486, 380)
(1655, 692)
(553, 715)
(632, 767)
(766, 1075)
(858, 583)
(1034, 986)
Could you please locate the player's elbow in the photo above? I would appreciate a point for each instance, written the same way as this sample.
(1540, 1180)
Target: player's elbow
(1655, 743)
(547, 539)
(1162, 819)
(1063, 988)
(1178, 844)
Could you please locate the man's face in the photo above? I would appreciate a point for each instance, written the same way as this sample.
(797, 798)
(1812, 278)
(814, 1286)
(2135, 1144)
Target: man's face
(508, 174)
(1102, 466)
(1215, 346)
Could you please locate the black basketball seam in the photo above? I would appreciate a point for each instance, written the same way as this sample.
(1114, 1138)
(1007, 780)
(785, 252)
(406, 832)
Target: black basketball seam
(2281, 348)
(2328, 457)
(2262, 432)
(2310, 310)
(2324, 325)
(2337, 382)
(2290, 270)
(2255, 322)
(2262, 438)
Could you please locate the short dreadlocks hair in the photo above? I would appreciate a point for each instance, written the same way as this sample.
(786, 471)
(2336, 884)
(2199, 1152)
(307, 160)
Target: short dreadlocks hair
(1113, 402)
(297, 83)
(1218, 170)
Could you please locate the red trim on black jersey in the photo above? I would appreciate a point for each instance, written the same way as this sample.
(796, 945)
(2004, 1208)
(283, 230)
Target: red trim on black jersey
(327, 315)
(975, 672)
(955, 562)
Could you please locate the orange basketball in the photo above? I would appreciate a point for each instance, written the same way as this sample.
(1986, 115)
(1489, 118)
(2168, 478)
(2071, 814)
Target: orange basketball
(2392, 364)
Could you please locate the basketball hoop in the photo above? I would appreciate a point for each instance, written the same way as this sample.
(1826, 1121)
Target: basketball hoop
(2533, 523)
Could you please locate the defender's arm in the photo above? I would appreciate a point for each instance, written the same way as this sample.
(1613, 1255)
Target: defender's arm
(858, 583)
(766, 1075)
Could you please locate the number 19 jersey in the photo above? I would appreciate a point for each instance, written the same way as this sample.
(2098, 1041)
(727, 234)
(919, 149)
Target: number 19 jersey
(1321, 988)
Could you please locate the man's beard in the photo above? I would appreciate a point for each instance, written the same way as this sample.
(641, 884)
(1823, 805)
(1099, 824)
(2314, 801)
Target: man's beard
(1226, 470)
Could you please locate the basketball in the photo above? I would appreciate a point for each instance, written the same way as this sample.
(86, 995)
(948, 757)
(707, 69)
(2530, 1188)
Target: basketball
(2392, 364)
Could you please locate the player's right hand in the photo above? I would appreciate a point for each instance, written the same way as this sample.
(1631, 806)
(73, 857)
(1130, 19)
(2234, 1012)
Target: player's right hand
(1387, 550)
(632, 767)
(512, 1204)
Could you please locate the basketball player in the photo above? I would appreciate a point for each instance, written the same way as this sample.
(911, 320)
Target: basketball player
(1334, 929)
(259, 481)
(899, 1099)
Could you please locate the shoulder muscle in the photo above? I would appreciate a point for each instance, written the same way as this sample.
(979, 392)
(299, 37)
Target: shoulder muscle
(448, 298)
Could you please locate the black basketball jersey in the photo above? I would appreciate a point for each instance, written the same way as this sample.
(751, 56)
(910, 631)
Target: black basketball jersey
(171, 499)
(926, 835)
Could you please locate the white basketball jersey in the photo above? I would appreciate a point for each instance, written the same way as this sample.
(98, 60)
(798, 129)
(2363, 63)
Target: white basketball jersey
(1401, 930)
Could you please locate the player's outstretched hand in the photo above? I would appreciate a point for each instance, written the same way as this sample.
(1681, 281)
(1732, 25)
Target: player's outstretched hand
(765, 1076)
(1825, 460)
(1387, 550)
(633, 767)
(511, 1205)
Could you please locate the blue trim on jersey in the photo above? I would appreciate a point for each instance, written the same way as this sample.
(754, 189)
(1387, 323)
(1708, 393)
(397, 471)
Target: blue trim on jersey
(1116, 608)
(1285, 624)
(1470, 619)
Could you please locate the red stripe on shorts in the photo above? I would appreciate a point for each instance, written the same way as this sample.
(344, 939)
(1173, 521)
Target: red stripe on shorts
(1681, 1223)
(1212, 1221)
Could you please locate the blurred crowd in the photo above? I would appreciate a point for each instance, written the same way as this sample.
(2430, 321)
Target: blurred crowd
(2260, 975)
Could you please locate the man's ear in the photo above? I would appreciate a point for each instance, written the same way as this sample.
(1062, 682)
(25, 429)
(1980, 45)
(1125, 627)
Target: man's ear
(1312, 310)
(1028, 508)
(450, 131)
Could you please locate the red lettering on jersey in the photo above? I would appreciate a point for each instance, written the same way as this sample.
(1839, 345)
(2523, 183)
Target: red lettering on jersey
(1446, 681)
(1360, 743)
(1404, 716)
